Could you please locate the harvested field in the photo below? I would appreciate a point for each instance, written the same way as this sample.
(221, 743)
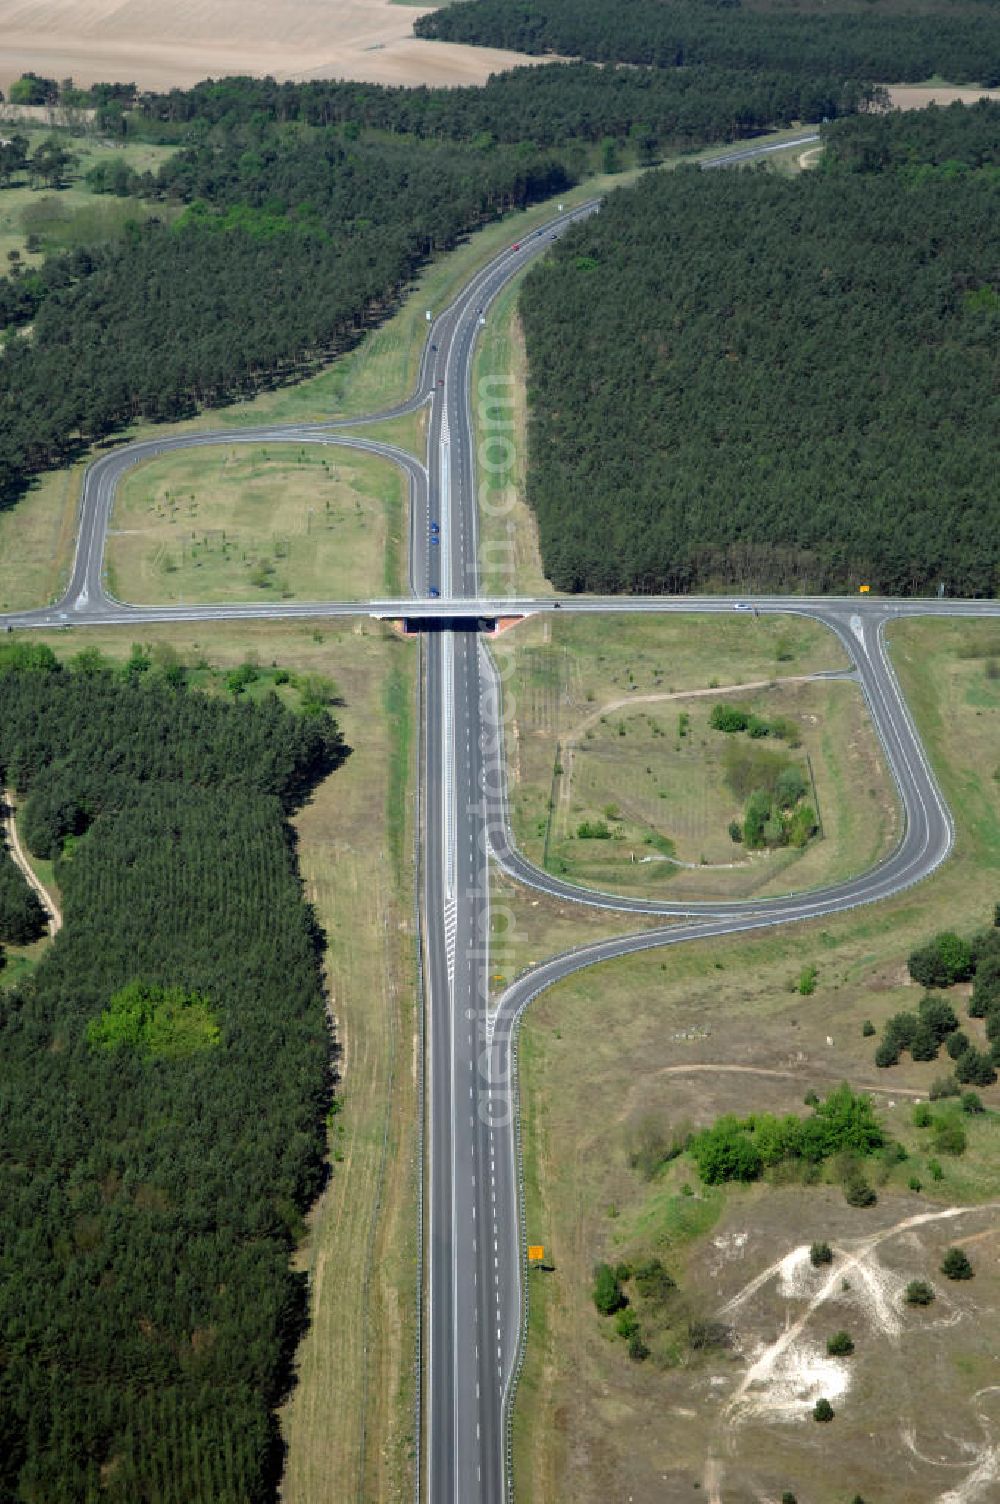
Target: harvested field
(919, 96)
(163, 46)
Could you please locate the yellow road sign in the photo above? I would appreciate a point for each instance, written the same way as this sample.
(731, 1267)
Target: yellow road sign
(864, 589)
(536, 1253)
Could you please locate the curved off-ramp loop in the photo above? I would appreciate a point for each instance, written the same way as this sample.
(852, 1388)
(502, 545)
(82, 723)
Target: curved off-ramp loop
(86, 592)
(927, 824)
(927, 839)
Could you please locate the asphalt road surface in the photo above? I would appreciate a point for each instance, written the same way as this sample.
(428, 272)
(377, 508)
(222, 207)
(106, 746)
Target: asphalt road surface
(473, 1310)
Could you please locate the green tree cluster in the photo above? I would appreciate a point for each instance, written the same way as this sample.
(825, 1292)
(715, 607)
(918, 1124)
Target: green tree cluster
(770, 417)
(160, 1023)
(907, 41)
(742, 1148)
(922, 1032)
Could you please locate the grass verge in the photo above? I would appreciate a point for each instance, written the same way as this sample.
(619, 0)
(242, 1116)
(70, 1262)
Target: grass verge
(509, 558)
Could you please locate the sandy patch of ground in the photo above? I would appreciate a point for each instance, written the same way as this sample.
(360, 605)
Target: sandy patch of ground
(919, 96)
(160, 46)
(17, 852)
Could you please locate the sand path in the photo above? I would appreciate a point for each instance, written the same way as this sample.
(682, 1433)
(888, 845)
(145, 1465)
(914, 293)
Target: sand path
(17, 852)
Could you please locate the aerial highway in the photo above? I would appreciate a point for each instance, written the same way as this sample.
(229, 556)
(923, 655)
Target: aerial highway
(473, 1307)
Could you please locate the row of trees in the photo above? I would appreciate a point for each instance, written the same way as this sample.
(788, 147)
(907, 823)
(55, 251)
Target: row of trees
(47, 164)
(550, 106)
(911, 40)
(165, 1079)
(744, 381)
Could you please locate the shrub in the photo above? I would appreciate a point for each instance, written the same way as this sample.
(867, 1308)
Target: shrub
(820, 1253)
(704, 1334)
(938, 1015)
(925, 1044)
(975, 1068)
(159, 1023)
(608, 1294)
(934, 1169)
(956, 1265)
(654, 1143)
(867, 1028)
(626, 1323)
(726, 1152)
(790, 787)
(901, 1028)
(922, 1116)
(972, 1103)
(728, 718)
(857, 1191)
(593, 830)
(915, 1183)
(735, 832)
(949, 1136)
(943, 961)
(823, 1411)
(943, 1086)
(637, 1349)
(840, 1345)
(887, 1053)
(654, 1283)
(919, 1293)
(807, 980)
(758, 812)
(956, 1044)
(788, 1497)
(803, 825)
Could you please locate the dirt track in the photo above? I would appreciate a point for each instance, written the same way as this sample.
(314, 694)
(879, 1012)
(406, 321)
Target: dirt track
(17, 852)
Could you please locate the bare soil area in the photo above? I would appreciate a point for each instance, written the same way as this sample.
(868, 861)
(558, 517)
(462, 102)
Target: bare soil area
(162, 46)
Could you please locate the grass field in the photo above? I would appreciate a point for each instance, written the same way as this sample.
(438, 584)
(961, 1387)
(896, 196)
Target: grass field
(70, 216)
(37, 539)
(509, 560)
(349, 1422)
(681, 1036)
(246, 522)
(608, 730)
